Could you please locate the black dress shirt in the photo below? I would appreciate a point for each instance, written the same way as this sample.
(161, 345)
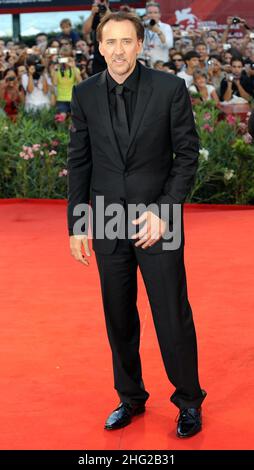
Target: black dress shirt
(129, 93)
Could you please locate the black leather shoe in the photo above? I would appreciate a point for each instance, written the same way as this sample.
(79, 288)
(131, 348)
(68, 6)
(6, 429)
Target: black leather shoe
(189, 422)
(123, 414)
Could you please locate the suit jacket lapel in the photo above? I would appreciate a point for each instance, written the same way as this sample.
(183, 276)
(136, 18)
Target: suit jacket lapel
(145, 89)
(104, 113)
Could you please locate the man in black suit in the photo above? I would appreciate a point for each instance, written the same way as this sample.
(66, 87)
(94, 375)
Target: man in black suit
(251, 124)
(127, 122)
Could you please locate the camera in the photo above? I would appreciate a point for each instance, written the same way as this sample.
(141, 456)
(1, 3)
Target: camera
(151, 22)
(63, 60)
(53, 50)
(230, 77)
(236, 20)
(226, 47)
(79, 56)
(39, 68)
(102, 8)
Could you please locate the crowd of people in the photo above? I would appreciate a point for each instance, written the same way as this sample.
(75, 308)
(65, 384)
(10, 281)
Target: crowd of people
(215, 65)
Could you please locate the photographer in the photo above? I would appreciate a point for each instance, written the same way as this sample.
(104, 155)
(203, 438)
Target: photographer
(65, 75)
(232, 22)
(81, 63)
(158, 36)
(36, 84)
(249, 67)
(11, 93)
(236, 83)
(215, 72)
(99, 9)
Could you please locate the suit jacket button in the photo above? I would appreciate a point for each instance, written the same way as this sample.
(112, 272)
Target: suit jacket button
(126, 173)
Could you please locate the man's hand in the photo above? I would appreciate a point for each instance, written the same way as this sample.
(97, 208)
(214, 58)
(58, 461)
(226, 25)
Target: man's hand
(76, 244)
(153, 229)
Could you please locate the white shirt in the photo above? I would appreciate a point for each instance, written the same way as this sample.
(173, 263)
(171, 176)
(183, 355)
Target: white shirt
(37, 99)
(210, 89)
(154, 48)
(188, 78)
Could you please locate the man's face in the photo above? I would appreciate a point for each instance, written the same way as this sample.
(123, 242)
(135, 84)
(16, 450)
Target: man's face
(82, 45)
(193, 63)
(41, 39)
(66, 28)
(120, 46)
(249, 50)
(153, 13)
(202, 51)
(237, 68)
(212, 43)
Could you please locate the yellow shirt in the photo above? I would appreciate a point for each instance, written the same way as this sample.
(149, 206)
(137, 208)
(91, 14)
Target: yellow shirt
(65, 84)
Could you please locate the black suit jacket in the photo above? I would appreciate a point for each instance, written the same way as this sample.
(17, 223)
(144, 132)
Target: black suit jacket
(163, 127)
(251, 124)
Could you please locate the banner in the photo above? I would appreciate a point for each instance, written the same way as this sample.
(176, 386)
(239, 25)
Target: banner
(26, 6)
(212, 13)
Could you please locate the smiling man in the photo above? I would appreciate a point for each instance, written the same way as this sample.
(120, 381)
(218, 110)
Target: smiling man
(128, 121)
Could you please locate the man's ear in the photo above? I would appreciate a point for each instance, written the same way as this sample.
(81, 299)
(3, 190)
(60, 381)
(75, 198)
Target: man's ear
(140, 45)
(101, 48)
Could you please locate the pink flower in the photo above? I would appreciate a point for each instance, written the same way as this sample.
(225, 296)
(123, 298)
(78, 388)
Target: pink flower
(208, 128)
(45, 145)
(52, 152)
(36, 146)
(207, 116)
(55, 143)
(30, 152)
(22, 154)
(63, 172)
(247, 138)
(60, 117)
(231, 119)
(242, 127)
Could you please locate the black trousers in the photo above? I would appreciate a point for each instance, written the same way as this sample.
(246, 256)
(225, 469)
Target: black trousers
(165, 281)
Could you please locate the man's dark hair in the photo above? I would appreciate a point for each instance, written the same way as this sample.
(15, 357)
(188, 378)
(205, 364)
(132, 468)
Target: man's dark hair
(41, 34)
(121, 16)
(65, 21)
(237, 59)
(153, 4)
(215, 56)
(190, 55)
(171, 65)
(200, 43)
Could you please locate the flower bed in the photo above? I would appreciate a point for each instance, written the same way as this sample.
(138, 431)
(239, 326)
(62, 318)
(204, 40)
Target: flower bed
(33, 153)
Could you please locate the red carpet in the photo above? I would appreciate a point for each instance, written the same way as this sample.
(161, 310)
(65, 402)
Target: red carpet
(56, 375)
